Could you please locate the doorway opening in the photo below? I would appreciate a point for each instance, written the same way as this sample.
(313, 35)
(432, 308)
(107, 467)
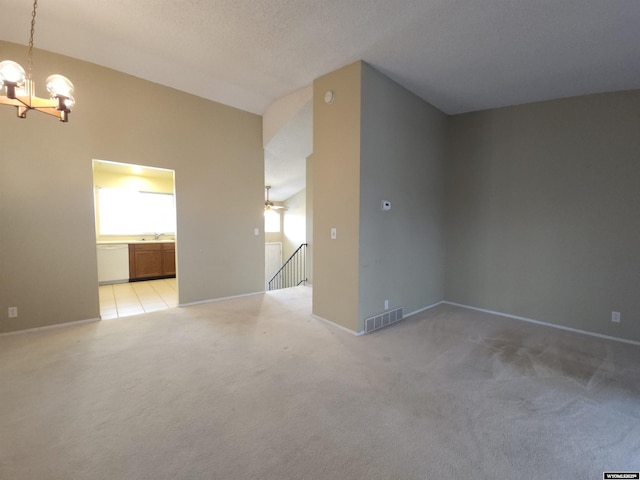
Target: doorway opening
(273, 260)
(285, 226)
(135, 221)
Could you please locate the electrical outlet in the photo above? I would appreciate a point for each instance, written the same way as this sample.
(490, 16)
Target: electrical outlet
(13, 312)
(386, 304)
(615, 317)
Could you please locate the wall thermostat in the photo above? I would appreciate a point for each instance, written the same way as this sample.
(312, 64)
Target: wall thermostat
(386, 205)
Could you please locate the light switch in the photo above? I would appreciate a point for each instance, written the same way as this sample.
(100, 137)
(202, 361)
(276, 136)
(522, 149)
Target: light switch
(256, 231)
(334, 234)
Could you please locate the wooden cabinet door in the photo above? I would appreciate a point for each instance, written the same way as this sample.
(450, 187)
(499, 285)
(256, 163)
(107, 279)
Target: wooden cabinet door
(145, 261)
(168, 259)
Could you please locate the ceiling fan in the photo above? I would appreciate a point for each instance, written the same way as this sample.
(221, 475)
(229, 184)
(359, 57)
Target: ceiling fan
(269, 205)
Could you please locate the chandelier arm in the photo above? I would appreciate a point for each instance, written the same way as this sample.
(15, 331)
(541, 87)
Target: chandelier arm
(62, 115)
(11, 101)
(40, 103)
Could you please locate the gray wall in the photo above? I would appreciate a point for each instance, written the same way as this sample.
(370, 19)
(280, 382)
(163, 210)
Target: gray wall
(376, 141)
(48, 265)
(543, 212)
(401, 160)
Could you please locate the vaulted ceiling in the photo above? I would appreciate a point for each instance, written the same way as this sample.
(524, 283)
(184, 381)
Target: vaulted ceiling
(459, 55)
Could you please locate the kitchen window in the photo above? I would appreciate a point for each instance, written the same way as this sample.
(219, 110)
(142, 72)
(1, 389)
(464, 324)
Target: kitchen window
(131, 212)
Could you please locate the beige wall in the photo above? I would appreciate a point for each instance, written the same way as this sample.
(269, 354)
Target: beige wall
(336, 193)
(543, 212)
(309, 210)
(48, 256)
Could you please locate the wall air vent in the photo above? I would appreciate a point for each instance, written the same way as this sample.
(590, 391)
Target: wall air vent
(382, 320)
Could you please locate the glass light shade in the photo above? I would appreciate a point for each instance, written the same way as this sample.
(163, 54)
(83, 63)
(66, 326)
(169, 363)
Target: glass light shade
(59, 86)
(69, 102)
(12, 72)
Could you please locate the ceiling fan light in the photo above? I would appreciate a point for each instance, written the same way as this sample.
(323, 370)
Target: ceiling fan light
(12, 73)
(59, 86)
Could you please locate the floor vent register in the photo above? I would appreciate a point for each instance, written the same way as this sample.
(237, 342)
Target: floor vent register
(382, 320)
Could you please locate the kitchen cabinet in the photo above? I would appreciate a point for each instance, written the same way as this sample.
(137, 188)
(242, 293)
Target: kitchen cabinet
(169, 259)
(152, 260)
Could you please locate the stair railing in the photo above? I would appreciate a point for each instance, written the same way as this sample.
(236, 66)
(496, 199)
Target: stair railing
(293, 272)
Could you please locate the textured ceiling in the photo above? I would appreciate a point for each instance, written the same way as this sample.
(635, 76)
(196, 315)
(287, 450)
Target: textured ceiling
(460, 55)
(286, 153)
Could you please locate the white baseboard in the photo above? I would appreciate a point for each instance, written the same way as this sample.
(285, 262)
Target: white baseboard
(334, 324)
(546, 324)
(362, 332)
(51, 327)
(211, 300)
(424, 309)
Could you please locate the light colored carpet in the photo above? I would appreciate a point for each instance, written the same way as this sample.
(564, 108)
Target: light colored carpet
(256, 388)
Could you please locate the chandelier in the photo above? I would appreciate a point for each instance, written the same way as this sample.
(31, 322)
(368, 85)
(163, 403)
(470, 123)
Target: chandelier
(17, 89)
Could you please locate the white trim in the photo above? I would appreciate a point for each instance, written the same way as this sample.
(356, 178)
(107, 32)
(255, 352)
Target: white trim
(337, 325)
(211, 300)
(51, 327)
(423, 309)
(546, 324)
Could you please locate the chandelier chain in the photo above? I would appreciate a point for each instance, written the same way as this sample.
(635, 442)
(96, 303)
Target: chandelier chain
(31, 34)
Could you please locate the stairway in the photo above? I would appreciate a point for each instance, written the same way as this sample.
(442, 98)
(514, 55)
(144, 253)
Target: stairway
(293, 272)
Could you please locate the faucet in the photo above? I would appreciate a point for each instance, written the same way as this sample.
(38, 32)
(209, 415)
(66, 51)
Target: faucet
(156, 236)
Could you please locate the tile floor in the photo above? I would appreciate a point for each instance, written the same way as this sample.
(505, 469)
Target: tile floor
(125, 299)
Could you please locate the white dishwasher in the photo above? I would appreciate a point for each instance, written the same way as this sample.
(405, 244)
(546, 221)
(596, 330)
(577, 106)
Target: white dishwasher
(113, 263)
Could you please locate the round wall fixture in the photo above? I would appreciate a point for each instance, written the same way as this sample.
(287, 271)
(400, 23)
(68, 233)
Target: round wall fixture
(329, 96)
